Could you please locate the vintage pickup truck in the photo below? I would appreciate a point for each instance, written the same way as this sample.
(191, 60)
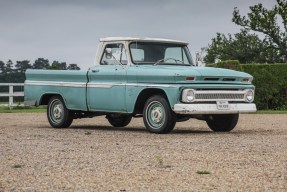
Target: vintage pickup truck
(143, 77)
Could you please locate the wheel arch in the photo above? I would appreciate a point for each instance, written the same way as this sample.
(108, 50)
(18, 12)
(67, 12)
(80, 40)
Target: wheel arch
(144, 96)
(44, 100)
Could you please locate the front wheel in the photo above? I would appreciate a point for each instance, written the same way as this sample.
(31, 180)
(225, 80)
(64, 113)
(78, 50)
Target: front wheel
(119, 120)
(58, 114)
(222, 123)
(158, 116)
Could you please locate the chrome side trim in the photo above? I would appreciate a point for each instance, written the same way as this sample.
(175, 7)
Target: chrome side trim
(51, 83)
(101, 85)
(109, 85)
(212, 108)
(150, 85)
(93, 85)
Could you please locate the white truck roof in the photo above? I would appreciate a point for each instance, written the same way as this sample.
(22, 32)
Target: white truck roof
(142, 39)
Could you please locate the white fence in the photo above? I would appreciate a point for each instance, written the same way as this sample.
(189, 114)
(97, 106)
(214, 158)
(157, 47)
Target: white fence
(12, 94)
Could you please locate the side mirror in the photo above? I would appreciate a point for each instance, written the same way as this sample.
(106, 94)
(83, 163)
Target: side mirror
(197, 58)
(109, 53)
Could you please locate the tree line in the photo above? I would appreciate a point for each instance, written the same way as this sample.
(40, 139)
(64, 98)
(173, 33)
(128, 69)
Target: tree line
(246, 46)
(15, 72)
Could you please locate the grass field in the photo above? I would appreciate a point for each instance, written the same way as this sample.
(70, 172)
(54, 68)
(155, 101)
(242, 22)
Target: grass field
(271, 112)
(20, 109)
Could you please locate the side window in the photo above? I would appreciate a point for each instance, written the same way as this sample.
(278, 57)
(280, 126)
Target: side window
(114, 54)
(138, 55)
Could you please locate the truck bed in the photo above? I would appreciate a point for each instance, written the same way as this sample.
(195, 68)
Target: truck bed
(68, 84)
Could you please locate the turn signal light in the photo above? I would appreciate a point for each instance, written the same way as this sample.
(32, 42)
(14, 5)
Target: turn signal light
(190, 78)
(245, 80)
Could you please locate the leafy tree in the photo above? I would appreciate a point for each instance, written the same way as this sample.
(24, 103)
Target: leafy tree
(22, 66)
(10, 74)
(56, 65)
(9, 66)
(2, 67)
(2, 74)
(73, 67)
(41, 63)
(267, 22)
(18, 75)
(244, 47)
(5, 71)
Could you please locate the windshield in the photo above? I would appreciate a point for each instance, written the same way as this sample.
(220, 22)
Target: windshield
(157, 53)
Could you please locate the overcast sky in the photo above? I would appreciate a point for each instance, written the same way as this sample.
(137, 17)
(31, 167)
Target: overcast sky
(69, 30)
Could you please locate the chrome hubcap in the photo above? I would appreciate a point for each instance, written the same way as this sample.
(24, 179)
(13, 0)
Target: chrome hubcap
(57, 111)
(156, 115)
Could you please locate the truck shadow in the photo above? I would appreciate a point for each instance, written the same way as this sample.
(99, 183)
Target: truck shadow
(176, 131)
(108, 128)
(137, 129)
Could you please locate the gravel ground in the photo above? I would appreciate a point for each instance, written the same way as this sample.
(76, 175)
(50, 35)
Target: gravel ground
(93, 156)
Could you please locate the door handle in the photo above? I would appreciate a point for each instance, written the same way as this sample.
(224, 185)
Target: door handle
(95, 70)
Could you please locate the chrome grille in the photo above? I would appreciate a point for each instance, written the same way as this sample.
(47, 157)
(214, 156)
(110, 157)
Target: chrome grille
(219, 95)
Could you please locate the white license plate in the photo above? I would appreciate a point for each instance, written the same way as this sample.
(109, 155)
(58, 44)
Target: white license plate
(222, 105)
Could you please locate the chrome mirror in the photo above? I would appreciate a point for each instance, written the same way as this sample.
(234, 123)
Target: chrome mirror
(109, 53)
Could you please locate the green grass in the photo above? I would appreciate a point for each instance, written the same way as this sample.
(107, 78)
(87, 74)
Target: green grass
(203, 172)
(88, 133)
(17, 166)
(20, 109)
(159, 160)
(271, 112)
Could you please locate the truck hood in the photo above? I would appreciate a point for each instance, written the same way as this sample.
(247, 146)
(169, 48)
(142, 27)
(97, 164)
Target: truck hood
(178, 74)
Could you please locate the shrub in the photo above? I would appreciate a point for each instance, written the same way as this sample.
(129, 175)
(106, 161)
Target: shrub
(229, 64)
(271, 85)
(270, 81)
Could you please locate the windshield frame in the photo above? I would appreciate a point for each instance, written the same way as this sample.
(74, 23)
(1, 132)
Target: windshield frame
(184, 46)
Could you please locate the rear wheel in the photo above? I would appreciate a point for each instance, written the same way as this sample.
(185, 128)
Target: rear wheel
(222, 123)
(158, 116)
(58, 114)
(119, 120)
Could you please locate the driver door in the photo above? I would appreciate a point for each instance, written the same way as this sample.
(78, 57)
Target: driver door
(107, 81)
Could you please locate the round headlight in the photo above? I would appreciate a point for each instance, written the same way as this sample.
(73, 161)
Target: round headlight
(250, 95)
(190, 95)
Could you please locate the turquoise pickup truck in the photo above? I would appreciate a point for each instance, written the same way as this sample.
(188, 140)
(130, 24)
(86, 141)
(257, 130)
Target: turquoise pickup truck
(143, 77)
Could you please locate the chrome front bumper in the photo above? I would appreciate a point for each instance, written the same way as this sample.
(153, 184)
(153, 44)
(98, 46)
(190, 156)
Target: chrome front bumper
(212, 108)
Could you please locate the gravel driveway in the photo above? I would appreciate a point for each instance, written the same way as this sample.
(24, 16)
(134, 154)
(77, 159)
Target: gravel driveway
(93, 156)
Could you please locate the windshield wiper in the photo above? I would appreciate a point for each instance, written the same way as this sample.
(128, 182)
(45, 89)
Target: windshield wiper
(158, 61)
(163, 60)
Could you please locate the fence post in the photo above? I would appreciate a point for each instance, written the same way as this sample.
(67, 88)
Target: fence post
(10, 96)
